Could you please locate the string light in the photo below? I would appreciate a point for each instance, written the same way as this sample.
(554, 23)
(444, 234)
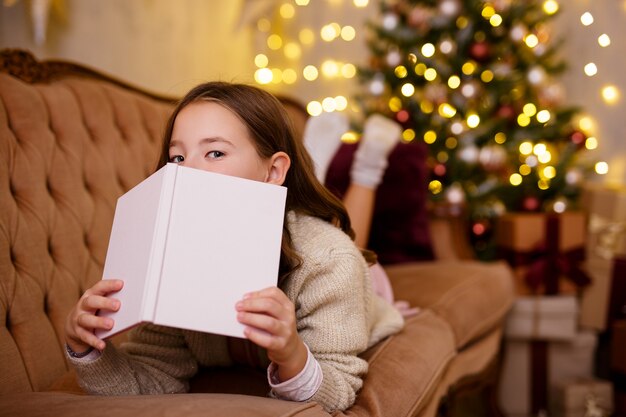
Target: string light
(591, 69)
(348, 33)
(495, 20)
(408, 90)
(274, 42)
(586, 19)
(604, 40)
(454, 82)
(287, 11)
(428, 50)
(350, 137)
(473, 120)
(408, 135)
(610, 94)
(543, 116)
(515, 179)
(261, 61)
(430, 74)
(435, 187)
(310, 73)
(526, 148)
(314, 108)
(263, 76)
(602, 168)
(306, 36)
(348, 70)
(430, 137)
(550, 7)
(531, 40)
(446, 110)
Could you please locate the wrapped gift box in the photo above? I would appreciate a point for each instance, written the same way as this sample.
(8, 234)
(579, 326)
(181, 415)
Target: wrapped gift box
(581, 397)
(604, 300)
(545, 250)
(543, 318)
(521, 385)
(618, 346)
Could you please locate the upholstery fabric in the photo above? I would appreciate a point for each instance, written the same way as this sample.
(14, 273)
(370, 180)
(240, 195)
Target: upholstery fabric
(39, 404)
(469, 295)
(400, 231)
(68, 151)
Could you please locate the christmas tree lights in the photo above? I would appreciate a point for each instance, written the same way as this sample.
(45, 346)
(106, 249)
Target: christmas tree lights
(477, 82)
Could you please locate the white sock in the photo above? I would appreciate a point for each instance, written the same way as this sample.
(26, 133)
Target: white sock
(322, 138)
(380, 135)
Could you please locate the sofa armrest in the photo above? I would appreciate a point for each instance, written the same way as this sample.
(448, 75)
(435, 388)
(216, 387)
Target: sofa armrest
(44, 404)
(423, 348)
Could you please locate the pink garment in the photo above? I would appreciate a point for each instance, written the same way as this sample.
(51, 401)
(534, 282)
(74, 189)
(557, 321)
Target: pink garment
(382, 287)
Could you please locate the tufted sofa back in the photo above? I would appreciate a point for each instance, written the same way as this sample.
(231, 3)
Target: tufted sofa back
(71, 142)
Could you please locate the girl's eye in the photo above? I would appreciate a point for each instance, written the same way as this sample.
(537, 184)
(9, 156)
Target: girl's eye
(215, 154)
(177, 159)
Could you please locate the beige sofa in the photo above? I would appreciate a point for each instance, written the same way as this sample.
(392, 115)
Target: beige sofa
(71, 142)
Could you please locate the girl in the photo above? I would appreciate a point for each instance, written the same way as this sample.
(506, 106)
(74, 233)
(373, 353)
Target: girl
(310, 329)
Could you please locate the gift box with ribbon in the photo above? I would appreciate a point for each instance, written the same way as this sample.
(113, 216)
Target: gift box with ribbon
(546, 251)
(618, 347)
(582, 398)
(604, 300)
(531, 370)
(543, 318)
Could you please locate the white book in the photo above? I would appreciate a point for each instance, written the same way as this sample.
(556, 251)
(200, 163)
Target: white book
(188, 245)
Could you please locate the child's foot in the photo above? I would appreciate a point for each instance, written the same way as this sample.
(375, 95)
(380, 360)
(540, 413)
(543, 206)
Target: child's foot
(380, 136)
(322, 138)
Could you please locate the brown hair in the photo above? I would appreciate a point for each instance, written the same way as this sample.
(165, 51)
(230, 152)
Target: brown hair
(272, 131)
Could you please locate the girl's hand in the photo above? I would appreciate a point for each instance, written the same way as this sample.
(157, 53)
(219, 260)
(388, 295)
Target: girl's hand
(270, 318)
(82, 320)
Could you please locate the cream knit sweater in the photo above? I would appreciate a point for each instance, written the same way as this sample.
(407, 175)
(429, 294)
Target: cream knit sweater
(337, 315)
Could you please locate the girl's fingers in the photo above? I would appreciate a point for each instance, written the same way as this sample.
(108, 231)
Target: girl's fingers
(90, 339)
(274, 293)
(259, 337)
(105, 286)
(89, 321)
(261, 321)
(98, 302)
(261, 305)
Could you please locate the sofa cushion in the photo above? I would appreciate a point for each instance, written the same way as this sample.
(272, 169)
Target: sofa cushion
(472, 296)
(425, 347)
(400, 229)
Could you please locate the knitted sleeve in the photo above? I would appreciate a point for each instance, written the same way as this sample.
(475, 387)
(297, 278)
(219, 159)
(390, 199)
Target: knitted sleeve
(156, 361)
(331, 310)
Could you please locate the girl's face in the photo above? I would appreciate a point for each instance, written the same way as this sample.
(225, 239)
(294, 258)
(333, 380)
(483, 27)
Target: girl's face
(208, 136)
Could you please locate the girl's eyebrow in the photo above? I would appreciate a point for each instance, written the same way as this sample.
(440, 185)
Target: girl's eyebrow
(205, 141)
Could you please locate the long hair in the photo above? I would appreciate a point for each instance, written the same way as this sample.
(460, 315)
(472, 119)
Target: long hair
(271, 131)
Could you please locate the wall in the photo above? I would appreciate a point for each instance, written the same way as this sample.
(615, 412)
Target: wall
(165, 46)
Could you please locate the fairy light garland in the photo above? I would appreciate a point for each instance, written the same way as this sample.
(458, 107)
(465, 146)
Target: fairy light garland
(279, 45)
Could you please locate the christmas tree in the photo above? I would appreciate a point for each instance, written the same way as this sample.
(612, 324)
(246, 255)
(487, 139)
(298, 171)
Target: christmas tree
(476, 80)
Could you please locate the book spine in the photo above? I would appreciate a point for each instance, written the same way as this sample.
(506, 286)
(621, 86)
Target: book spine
(159, 243)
